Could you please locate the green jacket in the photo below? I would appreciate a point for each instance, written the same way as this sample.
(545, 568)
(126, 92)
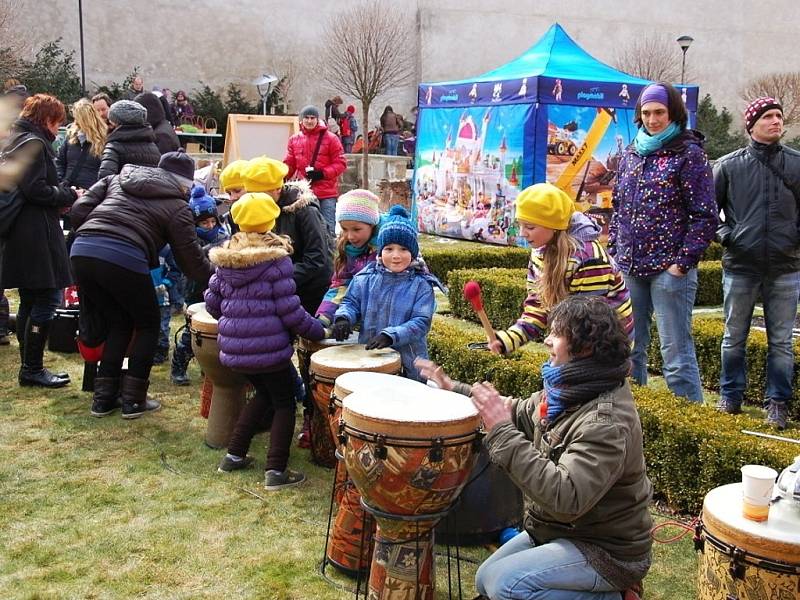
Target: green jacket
(583, 475)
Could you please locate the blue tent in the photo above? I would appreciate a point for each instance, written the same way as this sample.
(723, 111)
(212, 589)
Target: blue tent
(553, 114)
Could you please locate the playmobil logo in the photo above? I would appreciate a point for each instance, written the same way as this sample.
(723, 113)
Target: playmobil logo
(450, 96)
(593, 94)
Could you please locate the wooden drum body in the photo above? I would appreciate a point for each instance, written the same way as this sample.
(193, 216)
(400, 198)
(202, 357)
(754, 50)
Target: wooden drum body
(409, 455)
(748, 560)
(228, 396)
(325, 366)
(353, 525)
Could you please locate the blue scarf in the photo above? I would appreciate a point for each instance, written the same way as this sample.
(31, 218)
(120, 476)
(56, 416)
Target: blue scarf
(553, 384)
(356, 251)
(208, 235)
(647, 144)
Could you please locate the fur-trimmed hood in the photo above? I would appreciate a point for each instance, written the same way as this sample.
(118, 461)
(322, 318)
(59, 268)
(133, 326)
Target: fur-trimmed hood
(296, 195)
(247, 249)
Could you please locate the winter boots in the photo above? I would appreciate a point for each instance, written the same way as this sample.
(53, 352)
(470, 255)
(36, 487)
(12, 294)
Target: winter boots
(32, 372)
(135, 401)
(106, 396)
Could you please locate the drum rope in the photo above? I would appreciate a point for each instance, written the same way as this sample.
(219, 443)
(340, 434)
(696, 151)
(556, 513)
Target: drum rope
(687, 529)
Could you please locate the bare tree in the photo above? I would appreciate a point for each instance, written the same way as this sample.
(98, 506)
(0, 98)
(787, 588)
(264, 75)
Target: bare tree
(369, 50)
(653, 56)
(15, 43)
(784, 87)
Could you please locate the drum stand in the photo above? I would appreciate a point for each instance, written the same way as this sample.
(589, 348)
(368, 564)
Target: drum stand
(362, 575)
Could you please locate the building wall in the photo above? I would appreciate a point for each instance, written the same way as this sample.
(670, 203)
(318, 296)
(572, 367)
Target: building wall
(179, 44)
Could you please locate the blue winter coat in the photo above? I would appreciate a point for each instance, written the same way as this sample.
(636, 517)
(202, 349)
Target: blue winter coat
(401, 305)
(252, 295)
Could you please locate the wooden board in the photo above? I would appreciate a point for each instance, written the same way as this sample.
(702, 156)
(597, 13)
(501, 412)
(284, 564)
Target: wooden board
(248, 136)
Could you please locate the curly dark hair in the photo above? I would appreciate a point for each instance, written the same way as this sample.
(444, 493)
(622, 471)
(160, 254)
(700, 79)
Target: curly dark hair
(592, 329)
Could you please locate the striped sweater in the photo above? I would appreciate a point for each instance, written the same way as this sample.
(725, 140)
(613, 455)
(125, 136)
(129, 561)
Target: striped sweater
(590, 271)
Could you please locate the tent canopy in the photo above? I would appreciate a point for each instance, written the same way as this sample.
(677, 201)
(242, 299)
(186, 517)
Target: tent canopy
(556, 60)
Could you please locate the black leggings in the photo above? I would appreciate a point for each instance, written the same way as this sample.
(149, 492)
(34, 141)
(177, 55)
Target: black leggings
(274, 391)
(127, 302)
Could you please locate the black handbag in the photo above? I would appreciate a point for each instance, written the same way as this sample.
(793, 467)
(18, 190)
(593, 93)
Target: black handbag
(13, 164)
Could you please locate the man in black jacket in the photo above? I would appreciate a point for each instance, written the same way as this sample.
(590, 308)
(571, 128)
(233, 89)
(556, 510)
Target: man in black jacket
(758, 191)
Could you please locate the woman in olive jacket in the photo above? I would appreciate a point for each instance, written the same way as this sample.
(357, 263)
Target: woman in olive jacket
(575, 451)
(34, 255)
(122, 222)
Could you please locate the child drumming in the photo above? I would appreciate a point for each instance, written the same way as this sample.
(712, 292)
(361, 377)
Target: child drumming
(211, 234)
(356, 247)
(392, 298)
(564, 261)
(261, 314)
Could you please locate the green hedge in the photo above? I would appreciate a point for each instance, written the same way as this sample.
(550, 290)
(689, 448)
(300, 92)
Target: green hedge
(503, 291)
(707, 334)
(713, 252)
(443, 260)
(689, 449)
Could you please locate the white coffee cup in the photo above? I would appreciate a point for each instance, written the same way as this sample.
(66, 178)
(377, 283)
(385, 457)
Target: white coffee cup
(757, 486)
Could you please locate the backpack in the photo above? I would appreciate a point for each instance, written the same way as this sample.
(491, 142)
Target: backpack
(12, 167)
(344, 124)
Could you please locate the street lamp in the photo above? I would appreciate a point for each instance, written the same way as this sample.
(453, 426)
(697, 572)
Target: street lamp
(265, 82)
(83, 62)
(684, 42)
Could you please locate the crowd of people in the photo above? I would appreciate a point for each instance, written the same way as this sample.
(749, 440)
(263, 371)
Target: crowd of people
(281, 254)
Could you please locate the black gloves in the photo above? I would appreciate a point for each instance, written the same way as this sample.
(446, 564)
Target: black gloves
(341, 330)
(315, 174)
(379, 341)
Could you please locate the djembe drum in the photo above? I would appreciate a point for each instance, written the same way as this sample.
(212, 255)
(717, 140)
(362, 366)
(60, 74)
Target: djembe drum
(353, 527)
(409, 455)
(323, 453)
(228, 396)
(744, 559)
(325, 366)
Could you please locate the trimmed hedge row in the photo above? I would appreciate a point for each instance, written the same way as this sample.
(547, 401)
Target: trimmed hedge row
(707, 334)
(503, 291)
(689, 449)
(443, 260)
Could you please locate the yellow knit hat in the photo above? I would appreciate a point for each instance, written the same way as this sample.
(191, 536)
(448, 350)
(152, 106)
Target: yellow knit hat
(231, 176)
(545, 205)
(263, 174)
(255, 212)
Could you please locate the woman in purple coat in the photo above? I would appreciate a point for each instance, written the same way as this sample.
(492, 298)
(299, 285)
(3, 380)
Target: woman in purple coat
(252, 294)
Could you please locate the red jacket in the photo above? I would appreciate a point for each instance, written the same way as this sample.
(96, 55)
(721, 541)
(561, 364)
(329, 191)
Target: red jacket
(330, 159)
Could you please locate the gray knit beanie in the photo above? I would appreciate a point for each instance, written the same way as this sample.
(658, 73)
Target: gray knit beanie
(127, 112)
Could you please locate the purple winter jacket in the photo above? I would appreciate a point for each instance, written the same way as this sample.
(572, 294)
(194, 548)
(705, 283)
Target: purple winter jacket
(665, 211)
(252, 295)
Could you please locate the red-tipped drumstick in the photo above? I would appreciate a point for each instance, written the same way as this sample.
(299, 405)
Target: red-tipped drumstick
(472, 292)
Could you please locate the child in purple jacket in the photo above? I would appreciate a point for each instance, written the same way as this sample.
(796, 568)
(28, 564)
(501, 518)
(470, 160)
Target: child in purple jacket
(252, 294)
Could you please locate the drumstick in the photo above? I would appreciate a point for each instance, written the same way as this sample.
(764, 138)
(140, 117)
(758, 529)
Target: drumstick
(472, 292)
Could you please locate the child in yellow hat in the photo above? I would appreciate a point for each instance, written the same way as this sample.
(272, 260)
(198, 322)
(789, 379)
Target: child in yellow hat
(566, 258)
(252, 294)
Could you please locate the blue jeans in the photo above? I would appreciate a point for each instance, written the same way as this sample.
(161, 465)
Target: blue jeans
(519, 570)
(780, 296)
(37, 304)
(671, 299)
(391, 140)
(327, 206)
(163, 329)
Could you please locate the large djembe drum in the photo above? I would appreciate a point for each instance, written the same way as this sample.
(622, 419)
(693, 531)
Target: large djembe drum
(748, 560)
(353, 528)
(409, 455)
(228, 395)
(325, 366)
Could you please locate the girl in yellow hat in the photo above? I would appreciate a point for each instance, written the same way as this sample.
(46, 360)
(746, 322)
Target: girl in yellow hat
(566, 258)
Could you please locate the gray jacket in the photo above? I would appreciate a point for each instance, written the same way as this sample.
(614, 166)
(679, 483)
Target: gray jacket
(583, 478)
(761, 230)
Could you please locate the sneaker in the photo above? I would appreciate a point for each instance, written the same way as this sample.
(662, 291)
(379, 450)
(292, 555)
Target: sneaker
(777, 415)
(160, 357)
(228, 464)
(304, 437)
(180, 379)
(277, 480)
(731, 407)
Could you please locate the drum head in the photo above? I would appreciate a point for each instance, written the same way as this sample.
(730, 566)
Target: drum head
(193, 308)
(777, 538)
(312, 347)
(332, 362)
(202, 321)
(347, 383)
(421, 413)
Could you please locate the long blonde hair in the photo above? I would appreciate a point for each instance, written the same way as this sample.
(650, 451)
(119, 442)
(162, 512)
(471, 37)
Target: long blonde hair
(89, 122)
(340, 258)
(553, 286)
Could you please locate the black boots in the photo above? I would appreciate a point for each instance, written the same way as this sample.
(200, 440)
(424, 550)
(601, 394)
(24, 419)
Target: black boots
(32, 371)
(180, 362)
(135, 401)
(106, 396)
